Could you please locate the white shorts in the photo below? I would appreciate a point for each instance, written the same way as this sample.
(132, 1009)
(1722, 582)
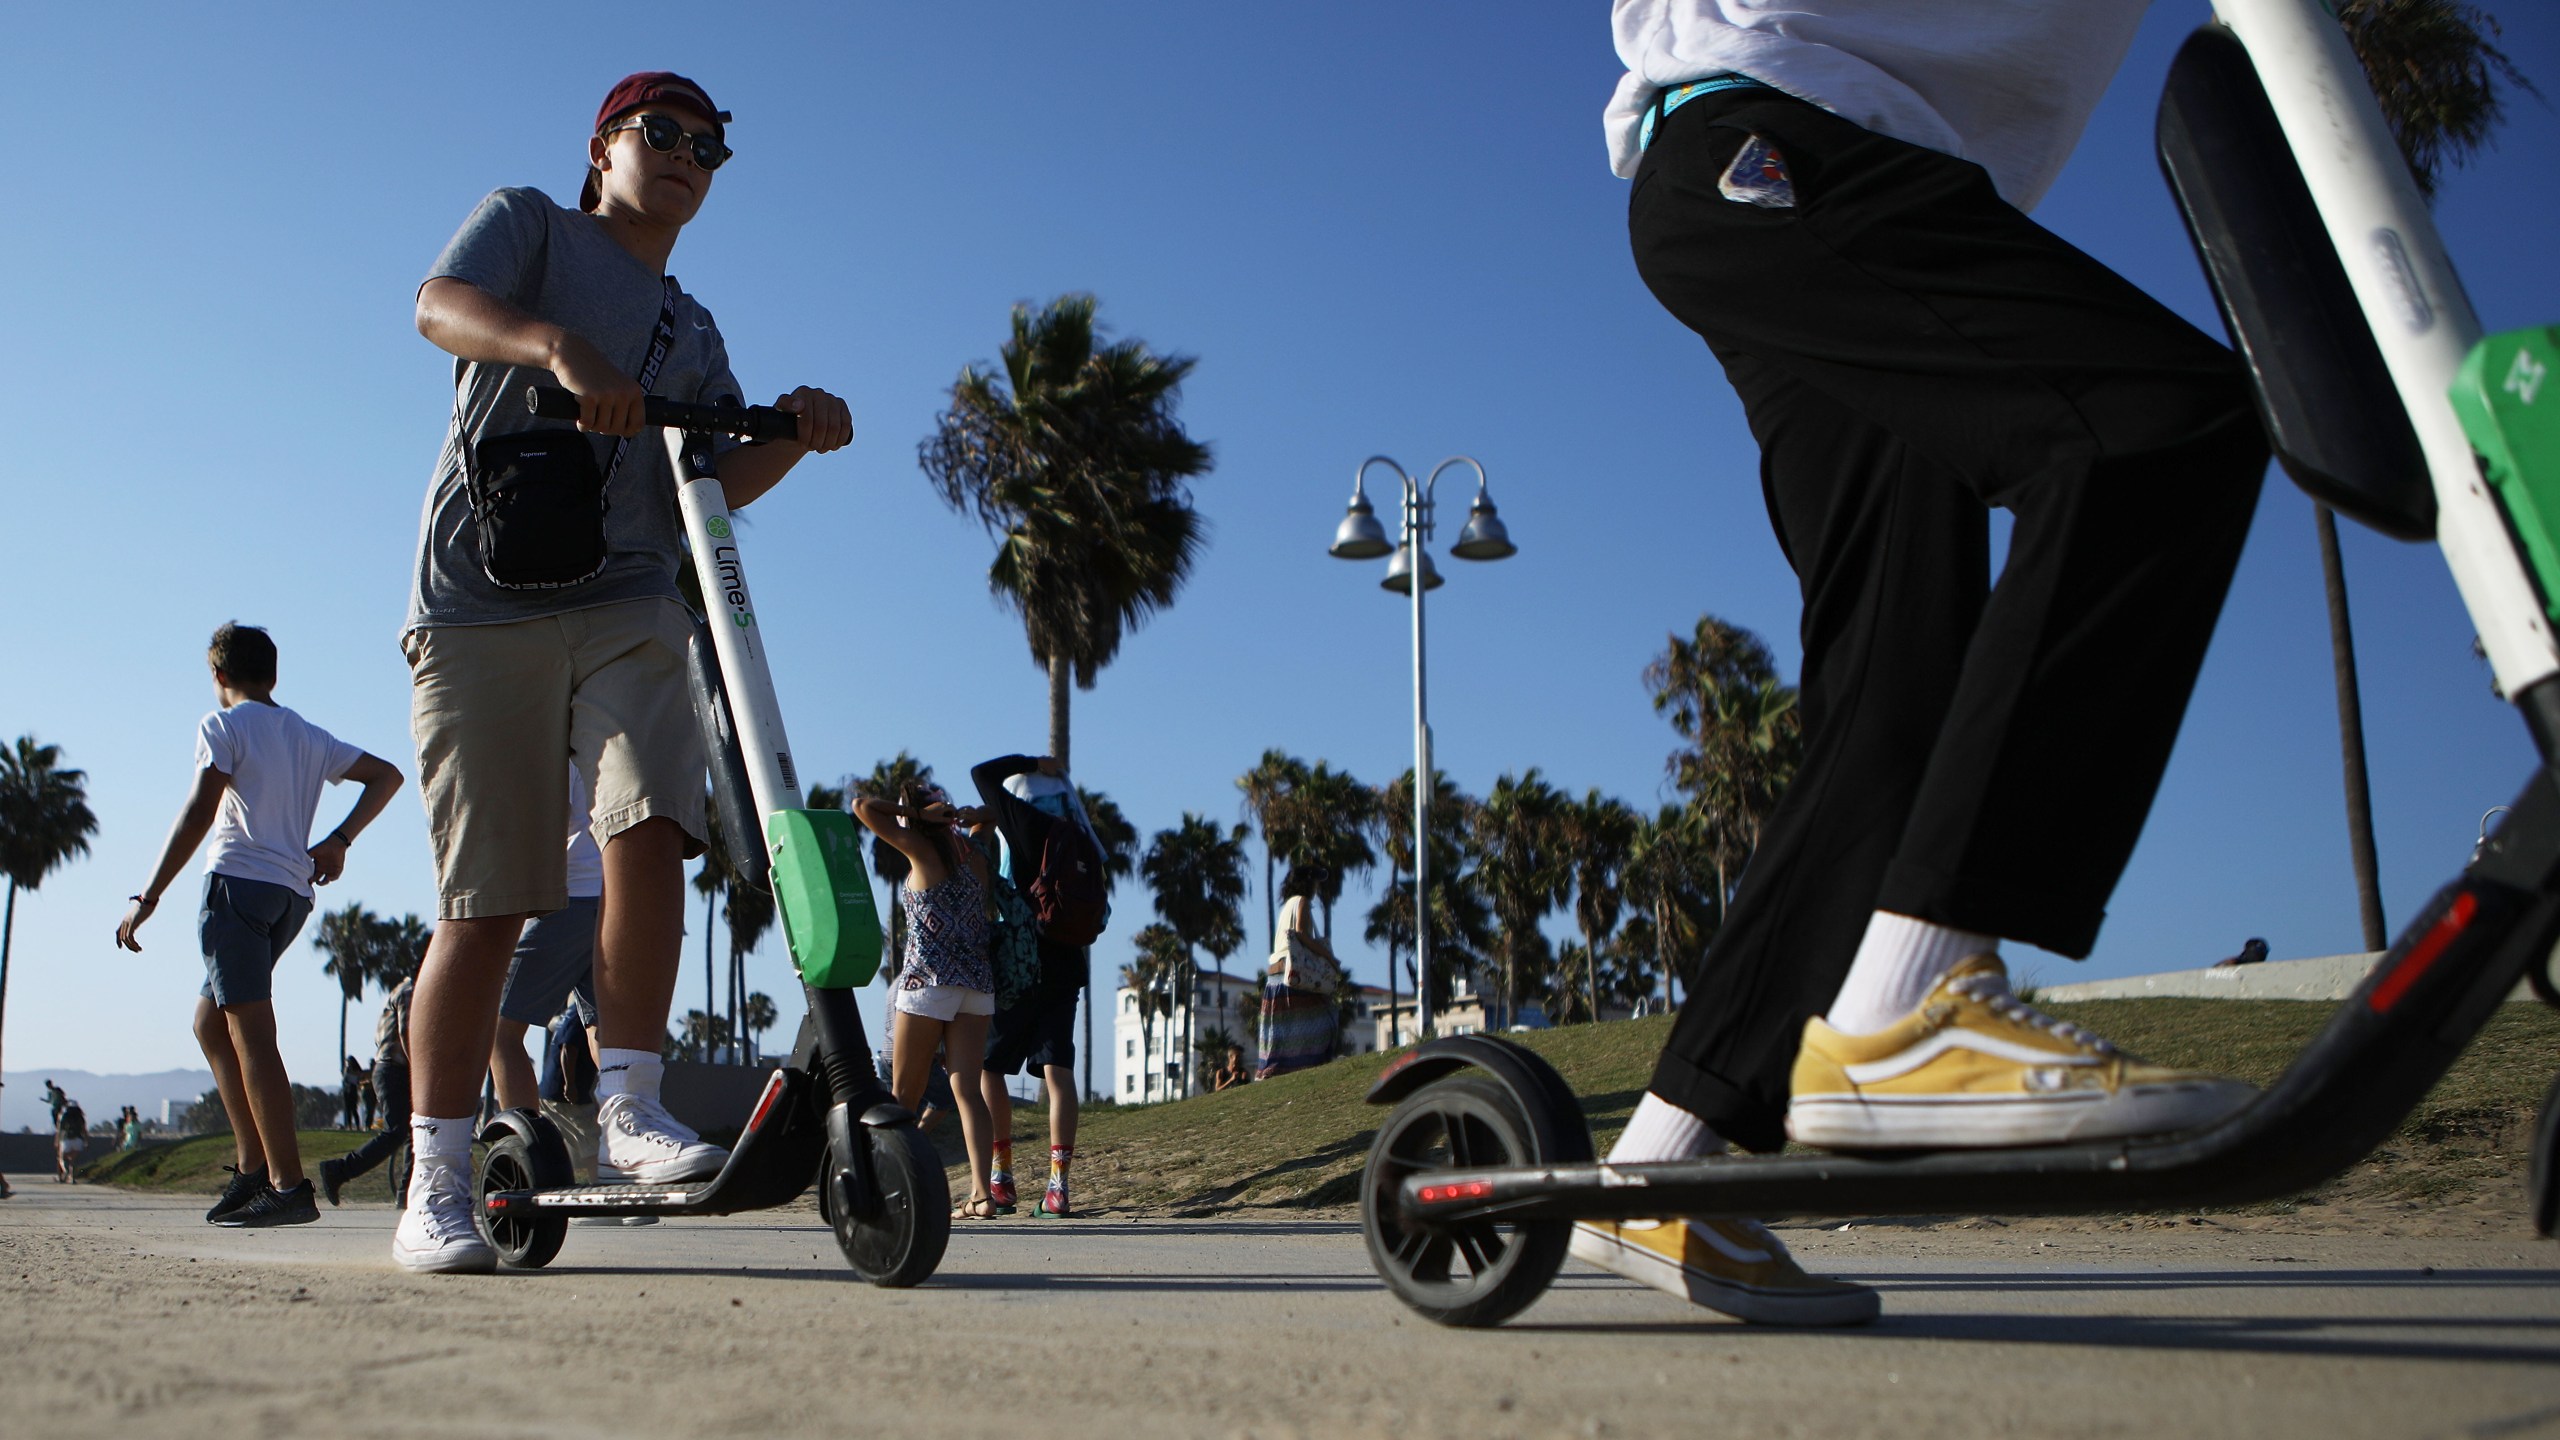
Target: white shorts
(945, 1002)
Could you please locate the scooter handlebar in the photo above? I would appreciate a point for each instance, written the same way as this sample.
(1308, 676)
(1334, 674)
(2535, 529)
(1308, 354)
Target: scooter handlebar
(751, 422)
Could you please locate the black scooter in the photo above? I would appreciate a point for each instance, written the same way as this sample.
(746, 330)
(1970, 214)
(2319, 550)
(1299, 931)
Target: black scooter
(2384, 401)
(823, 1117)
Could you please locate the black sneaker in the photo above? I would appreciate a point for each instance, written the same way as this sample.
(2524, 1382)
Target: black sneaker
(297, 1206)
(245, 1186)
(333, 1178)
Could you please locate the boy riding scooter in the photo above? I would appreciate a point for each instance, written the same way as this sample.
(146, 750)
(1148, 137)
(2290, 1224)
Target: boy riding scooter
(545, 604)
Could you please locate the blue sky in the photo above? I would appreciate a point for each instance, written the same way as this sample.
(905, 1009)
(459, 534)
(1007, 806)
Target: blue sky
(1381, 228)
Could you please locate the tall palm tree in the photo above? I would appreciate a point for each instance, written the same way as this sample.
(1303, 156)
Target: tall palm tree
(352, 938)
(1197, 872)
(1598, 830)
(1461, 930)
(1328, 821)
(1667, 876)
(1118, 840)
(1521, 866)
(758, 1017)
(1720, 690)
(400, 947)
(1267, 788)
(750, 913)
(712, 881)
(45, 822)
(1152, 977)
(1074, 460)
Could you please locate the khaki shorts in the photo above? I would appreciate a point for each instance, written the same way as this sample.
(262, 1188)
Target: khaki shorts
(496, 710)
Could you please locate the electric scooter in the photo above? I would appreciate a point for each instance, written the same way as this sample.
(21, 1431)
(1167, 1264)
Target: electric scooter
(823, 1117)
(2384, 402)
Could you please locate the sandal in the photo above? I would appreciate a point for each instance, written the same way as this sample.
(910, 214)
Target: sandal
(976, 1207)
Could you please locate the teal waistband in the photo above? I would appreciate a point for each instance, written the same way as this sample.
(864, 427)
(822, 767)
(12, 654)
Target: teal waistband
(1666, 101)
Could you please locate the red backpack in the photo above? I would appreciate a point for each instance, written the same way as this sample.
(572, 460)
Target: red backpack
(1070, 896)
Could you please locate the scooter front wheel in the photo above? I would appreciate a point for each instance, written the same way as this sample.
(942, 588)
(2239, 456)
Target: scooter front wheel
(1474, 1273)
(898, 1238)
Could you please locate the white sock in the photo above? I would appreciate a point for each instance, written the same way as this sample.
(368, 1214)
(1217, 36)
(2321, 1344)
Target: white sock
(628, 1072)
(431, 1138)
(1660, 1130)
(1898, 962)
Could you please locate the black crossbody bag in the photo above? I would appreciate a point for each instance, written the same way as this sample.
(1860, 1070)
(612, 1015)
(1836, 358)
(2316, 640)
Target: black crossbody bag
(537, 496)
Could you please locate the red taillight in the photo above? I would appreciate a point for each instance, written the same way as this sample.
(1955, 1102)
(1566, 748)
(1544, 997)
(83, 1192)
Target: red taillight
(772, 1088)
(2430, 948)
(1463, 1190)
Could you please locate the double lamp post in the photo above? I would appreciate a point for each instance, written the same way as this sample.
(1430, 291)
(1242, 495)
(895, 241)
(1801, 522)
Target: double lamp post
(1361, 537)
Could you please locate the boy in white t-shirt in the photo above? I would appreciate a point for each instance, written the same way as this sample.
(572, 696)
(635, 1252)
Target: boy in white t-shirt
(259, 769)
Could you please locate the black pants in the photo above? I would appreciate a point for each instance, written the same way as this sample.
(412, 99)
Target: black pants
(391, 1087)
(1910, 350)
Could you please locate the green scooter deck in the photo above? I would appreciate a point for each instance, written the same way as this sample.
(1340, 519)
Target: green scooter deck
(825, 897)
(2507, 395)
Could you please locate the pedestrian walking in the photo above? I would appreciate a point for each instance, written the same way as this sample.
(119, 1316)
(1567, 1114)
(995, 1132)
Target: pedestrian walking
(1297, 1027)
(391, 1095)
(70, 1137)
(350, 1088)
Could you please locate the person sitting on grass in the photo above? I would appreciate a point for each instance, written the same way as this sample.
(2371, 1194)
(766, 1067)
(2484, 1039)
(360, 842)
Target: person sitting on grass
(945, 990)
(259, 769)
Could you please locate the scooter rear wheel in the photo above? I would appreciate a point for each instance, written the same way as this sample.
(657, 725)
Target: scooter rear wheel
(1475, 1274)
(900, 1242)
(525, 1242)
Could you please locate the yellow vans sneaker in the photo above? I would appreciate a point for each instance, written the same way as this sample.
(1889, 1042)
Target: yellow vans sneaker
(1975, 1066)
(1734, 1267)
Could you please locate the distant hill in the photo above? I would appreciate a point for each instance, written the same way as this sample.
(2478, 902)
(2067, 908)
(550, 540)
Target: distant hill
(22, 1104)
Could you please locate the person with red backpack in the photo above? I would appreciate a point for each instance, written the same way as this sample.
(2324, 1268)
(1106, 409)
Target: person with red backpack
(1051, 856)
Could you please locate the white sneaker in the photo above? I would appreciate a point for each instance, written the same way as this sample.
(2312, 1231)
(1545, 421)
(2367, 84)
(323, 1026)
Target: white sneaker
(642, 1144)
(436, 1234)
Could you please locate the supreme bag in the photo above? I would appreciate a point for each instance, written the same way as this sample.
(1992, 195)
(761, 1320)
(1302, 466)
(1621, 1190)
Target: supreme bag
(1069, 895)
(537, 509)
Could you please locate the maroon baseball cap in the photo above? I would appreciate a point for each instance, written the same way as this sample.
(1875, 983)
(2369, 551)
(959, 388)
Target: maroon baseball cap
(649, 87)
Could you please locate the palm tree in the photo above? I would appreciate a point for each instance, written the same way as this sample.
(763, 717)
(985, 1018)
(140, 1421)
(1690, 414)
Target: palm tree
(400, 947)
(1162, 959)
(45, 822)
(1197, 872)
(1327, 822)
(1598, 831)
(1666, 876)
(1521, 865)
(1267, 788)
(750, 913)
(1118, 840)
(1720, 690)
(758, 1016)
(711, 882)
(1074, 460)
(1460, 928)
(353, 940)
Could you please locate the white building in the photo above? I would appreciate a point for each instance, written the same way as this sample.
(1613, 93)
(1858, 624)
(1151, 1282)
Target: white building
(1164, 1066)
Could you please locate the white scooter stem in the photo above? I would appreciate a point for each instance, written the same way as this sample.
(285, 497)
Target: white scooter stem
(736, 632)
(2420, 317)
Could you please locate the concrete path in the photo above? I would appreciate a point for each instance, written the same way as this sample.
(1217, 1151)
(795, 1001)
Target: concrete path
(126, 1315)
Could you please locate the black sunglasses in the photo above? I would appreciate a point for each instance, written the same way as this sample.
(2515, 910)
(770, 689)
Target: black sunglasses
(663, 135)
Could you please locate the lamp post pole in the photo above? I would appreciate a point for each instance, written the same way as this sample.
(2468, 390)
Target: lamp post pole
(1361, 538)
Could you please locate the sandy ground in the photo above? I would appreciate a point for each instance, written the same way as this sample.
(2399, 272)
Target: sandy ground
(126, 1315)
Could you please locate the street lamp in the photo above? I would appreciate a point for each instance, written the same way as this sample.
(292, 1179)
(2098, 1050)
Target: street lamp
(1361, 537)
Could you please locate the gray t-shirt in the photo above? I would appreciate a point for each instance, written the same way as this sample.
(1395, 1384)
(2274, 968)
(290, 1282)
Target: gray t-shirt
(561, 266)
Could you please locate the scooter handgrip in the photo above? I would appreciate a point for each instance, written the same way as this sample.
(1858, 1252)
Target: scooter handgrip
(550, 402)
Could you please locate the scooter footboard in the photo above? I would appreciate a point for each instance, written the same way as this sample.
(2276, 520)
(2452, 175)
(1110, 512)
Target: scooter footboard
(2386, 1046)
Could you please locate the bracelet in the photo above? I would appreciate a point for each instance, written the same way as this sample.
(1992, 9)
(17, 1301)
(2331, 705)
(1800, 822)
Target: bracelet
(341, 837)
(143, 899)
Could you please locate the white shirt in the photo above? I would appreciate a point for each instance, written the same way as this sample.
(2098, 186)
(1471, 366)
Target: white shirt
(586, 862)
(277, 762)
(2007, 84)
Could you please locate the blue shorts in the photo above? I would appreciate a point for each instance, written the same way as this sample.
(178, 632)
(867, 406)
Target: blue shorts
(245, 927)
(554, 963)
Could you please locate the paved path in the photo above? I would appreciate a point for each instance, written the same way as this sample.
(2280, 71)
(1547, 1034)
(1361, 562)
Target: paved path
(126, 1315)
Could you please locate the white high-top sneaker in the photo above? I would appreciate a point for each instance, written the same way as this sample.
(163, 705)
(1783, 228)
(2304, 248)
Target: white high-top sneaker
(436, 1234)
(642, 1144)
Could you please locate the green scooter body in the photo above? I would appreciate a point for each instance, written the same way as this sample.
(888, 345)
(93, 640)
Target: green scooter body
(824, 894)
(2507, 395)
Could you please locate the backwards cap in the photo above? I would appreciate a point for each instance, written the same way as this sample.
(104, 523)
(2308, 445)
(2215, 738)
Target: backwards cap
(649, 87)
